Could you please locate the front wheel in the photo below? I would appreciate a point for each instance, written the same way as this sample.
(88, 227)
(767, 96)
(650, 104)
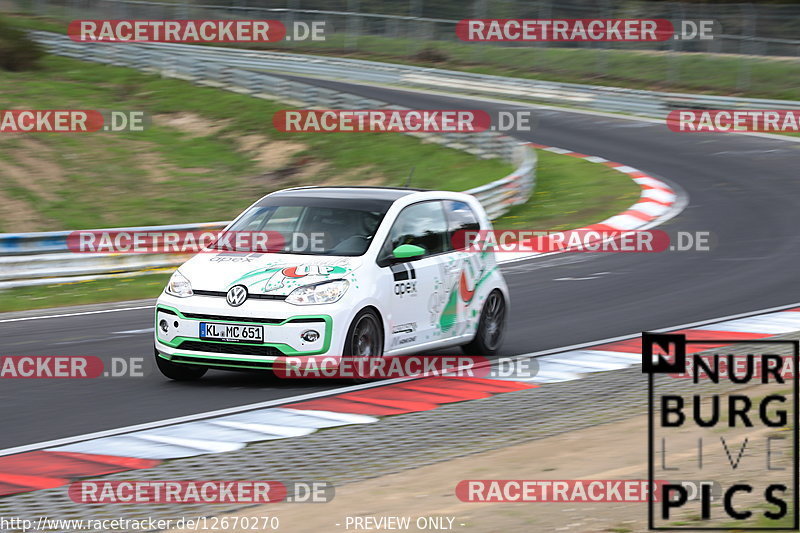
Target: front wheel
(491, 327)
(364, 342)
(179, 372)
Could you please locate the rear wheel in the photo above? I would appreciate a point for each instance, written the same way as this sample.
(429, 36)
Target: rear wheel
(364, 341)
(179, 372)
(491, 327)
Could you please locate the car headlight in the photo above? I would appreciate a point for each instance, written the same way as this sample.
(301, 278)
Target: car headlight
(322, 293)
(179, 286)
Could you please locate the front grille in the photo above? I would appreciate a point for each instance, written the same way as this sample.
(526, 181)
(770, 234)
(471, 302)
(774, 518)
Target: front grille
(223, 294)
(199, 292)
(234, 318)
(230, 348)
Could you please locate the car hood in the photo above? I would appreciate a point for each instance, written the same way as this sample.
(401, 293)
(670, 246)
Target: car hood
(276, 274)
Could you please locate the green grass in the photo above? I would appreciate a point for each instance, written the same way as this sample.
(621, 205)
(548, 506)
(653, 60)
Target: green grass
(571, 193)
(727, 74)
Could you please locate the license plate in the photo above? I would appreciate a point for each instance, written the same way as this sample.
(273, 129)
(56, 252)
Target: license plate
(231, 332)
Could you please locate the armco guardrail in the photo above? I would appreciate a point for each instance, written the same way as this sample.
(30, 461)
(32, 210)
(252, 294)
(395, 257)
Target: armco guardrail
(56, 241)
(654, 104)
(42, 258)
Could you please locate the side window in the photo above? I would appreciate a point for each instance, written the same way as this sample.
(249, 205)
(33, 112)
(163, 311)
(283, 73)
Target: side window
(460, 217)
(421, 224)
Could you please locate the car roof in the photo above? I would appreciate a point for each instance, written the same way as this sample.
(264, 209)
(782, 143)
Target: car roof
(375, 199)
(349, 192)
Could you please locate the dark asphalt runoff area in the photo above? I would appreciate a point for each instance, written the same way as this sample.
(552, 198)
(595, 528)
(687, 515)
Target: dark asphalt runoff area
(742, 189)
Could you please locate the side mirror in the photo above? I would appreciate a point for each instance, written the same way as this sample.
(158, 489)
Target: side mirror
(407, 251)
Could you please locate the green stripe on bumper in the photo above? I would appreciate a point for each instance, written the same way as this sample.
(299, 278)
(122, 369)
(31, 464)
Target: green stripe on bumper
(285, 349)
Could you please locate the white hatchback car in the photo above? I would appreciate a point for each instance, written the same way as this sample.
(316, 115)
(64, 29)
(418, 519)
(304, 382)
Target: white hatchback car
(382, 279)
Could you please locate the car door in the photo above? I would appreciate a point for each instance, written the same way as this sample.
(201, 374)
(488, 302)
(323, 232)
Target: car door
(468, 267)
(418, 283)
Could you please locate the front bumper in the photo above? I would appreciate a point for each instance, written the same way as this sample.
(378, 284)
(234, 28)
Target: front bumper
(283, 325)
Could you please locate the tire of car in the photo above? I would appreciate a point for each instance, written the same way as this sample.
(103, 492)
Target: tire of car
(491, 327)
(364, 339)
(179, 372)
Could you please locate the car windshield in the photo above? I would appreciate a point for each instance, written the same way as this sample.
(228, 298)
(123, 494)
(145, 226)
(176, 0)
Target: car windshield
(310, 228)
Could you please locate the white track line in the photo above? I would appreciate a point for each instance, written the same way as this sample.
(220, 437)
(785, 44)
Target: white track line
(21, 319)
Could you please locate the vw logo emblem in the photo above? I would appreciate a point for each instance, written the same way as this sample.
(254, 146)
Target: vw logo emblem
(236, 295)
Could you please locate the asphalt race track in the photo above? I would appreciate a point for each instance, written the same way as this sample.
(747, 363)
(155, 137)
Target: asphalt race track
(741, 188)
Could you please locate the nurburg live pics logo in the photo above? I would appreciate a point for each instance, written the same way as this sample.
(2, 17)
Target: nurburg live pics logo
(750, 442)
